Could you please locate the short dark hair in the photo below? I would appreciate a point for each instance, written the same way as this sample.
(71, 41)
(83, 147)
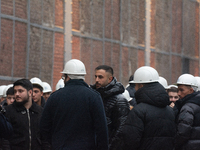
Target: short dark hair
(106, 68)
(38, 86)
(10, 91)
(25, 83)
(172, 89)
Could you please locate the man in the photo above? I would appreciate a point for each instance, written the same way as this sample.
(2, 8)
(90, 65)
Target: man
(151, 123)
(10, 98)
(24, 115)
(188, 119)
(115, 104)
(38, 91)
(46, 90)
(74, 116)
(173, 95)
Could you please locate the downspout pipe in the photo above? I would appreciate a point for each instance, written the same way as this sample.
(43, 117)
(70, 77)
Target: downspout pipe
(67, 30)
(147, 32)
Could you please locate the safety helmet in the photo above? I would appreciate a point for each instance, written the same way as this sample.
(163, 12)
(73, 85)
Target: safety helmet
(187, 79)
(145, 74)
(37, 81)
(2, 87)
(163, 82)
(6, 88)
(60, 84)
(75, 67)
(198, 82)
(169, 86)
(46, 87)
(127, 95)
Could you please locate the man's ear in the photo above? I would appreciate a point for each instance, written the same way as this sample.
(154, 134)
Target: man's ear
(30, 92)
(191, 90)
(110, 79)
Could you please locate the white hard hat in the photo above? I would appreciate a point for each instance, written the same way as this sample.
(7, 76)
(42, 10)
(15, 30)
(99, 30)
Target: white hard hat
(2, 87)
(75, 67)
(127, 95)
(37, 81)
(46, 87)
(60, 84)
(168, 87)
(6, 88)
(198, 82)
(145, 74)
(163, 82)
(187, 79)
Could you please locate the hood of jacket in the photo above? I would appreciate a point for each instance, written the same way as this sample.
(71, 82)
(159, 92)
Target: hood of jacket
(153, 94)
(113, 88)
(191, 98)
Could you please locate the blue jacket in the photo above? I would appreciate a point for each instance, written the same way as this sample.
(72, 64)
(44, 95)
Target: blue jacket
(74, 118)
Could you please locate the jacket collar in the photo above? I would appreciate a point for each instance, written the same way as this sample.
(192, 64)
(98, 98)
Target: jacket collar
(113, 88)
(76, 82)
(20, 108)
(191, 98)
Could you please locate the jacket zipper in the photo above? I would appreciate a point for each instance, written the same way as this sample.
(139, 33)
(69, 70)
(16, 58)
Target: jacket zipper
(29, 123)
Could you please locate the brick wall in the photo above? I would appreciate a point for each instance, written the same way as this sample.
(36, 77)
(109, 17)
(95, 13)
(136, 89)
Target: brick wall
(110, 32)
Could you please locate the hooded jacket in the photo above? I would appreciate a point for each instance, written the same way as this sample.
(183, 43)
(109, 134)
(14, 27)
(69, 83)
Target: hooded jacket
(116, 109)
(151, 123)
(188, 123)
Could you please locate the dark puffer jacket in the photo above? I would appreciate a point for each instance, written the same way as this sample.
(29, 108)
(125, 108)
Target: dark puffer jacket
(151, 123)
(188, 123)
(116, 109)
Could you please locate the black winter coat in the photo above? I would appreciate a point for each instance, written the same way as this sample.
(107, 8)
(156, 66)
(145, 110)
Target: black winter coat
(116, 108)
(18, 116)
(151, 123)
(188, 123)
(74, 118)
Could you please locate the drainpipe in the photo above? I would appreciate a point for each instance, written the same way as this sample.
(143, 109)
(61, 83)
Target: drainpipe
(199, 36)
(67, 30)
(147, 32)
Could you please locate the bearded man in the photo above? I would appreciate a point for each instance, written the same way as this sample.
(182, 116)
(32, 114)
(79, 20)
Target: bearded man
(24, 115)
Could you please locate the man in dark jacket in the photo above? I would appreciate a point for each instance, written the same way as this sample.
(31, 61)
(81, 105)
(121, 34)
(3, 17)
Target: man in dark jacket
(115, 104)
(151, 123)
(24, 115)
(38, 91)
(188, 119)
(74, 117)
(10, 98)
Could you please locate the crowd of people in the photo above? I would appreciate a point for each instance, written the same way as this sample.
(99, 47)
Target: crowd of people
(146, 114)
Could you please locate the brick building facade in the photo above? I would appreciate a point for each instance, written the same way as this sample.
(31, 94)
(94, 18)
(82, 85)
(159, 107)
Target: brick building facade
(34, 37)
